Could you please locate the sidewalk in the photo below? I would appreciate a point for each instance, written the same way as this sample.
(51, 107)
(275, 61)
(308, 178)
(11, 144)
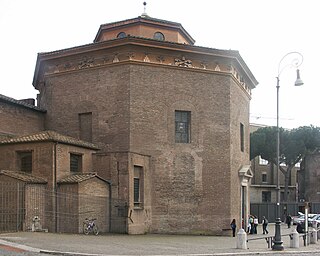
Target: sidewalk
(111, 244)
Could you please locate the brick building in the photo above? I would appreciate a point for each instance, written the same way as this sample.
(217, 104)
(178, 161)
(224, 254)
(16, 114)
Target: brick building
(167, 121)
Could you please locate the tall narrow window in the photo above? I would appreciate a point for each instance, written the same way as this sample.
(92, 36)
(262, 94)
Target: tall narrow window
(182, 126)
(264, 177)
(75, 162)
(242, 137)
(138, 190)
(25, 161)
(85, 126)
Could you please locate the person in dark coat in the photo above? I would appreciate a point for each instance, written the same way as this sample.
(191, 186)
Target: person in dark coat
(288, 220)
(233, 226)
(265, 225)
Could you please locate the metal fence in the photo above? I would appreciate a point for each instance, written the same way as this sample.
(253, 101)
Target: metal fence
(269, 209)
(21, 205)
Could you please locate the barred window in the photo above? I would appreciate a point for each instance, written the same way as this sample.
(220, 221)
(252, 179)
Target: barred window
(182, 126)
(75, 162)
(138, 191)
(25, 159)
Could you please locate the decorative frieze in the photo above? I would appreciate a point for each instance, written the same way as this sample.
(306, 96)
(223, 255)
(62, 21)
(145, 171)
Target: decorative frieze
(183, 62)
(146, 57)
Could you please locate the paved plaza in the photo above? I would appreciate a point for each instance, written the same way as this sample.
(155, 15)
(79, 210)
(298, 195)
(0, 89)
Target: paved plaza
(37, 243)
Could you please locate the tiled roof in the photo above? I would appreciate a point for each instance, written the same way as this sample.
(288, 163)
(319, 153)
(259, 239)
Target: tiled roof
(49, 136)
(77, 178)
(22, 176)
(20, 103)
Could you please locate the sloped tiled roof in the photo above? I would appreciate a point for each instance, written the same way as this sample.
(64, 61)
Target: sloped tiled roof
(77, 178)
(22, 176)
(20, 103)
(49, 136)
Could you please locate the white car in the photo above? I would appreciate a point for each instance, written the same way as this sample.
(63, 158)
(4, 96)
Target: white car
(300, 218)
(316, 219)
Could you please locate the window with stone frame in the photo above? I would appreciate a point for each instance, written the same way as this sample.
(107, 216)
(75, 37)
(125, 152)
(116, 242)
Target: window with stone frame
(25, 161)
(75, 162)
(182, 126)
(138, 190)
(266, 196)
(264, 177)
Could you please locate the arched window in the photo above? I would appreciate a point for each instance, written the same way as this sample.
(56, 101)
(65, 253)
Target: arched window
(158, 36)
(121, 35)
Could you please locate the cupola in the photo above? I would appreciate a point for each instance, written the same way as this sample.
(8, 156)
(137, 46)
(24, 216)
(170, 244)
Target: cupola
(147, 27)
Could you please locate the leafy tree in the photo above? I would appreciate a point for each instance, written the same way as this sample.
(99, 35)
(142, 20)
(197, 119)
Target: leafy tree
(294, 144)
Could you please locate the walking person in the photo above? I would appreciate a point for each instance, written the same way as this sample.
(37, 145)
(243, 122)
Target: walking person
(233, 226)
(265, 225)
(251, 229)
(255, 224)
(288, 220)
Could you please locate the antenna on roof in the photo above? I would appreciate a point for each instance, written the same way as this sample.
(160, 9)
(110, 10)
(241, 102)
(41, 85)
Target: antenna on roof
(144, 9)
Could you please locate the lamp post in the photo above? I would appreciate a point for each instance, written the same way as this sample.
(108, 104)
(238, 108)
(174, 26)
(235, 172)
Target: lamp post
(296, 62)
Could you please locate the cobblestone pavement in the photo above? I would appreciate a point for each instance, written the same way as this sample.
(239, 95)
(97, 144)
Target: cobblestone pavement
(30, 243)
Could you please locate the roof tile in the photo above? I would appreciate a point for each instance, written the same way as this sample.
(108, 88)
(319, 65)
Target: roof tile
(77, 178)
(48, 136)
(23, 176)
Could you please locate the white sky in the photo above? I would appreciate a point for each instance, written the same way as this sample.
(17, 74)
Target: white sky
(263, 31)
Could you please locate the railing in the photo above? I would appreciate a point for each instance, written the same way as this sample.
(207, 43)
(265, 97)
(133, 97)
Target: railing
(269, 239)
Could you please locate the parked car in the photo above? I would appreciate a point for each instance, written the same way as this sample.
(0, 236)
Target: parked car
(297, 219)
(316, 219)
(300, 218)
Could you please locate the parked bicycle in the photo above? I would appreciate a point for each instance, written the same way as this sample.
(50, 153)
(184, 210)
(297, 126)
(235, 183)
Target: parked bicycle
(89, 226)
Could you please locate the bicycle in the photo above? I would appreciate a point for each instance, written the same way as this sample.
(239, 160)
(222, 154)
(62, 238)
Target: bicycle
(89, 226)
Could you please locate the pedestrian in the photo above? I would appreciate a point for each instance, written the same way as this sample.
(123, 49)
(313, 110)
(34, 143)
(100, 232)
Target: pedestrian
(288, 220)
(255, 224)
(251, 228)
(233, 226)
(265, 225)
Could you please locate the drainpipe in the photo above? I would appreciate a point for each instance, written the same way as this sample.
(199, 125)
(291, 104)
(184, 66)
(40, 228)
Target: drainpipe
(55, 204)
(110, 204)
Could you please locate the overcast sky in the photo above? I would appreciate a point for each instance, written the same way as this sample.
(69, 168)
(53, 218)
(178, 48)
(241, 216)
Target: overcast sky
(263, 31)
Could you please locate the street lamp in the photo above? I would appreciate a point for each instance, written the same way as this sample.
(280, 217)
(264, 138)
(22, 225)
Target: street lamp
(296, 62)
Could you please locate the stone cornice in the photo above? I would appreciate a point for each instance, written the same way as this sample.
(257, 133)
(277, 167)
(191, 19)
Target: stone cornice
(139, 50)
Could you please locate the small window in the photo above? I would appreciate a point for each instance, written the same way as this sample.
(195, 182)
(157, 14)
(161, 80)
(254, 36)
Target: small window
(182, 126)
(242, 137)
(264, 177)
(266, 196)
(138, 191)
(75, 163)
(136, 188)
(121, 35)
(25, 161)
(158, 36)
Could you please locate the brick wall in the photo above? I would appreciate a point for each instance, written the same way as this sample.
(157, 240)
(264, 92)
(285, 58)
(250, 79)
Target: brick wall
(18, 120)
(195, 186)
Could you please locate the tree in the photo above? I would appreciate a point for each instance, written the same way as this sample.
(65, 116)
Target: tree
(295, 144)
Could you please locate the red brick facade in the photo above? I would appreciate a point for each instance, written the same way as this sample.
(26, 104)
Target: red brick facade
(129, 89)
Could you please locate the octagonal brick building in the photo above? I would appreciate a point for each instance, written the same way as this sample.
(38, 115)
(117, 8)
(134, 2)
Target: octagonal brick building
(171, 120)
